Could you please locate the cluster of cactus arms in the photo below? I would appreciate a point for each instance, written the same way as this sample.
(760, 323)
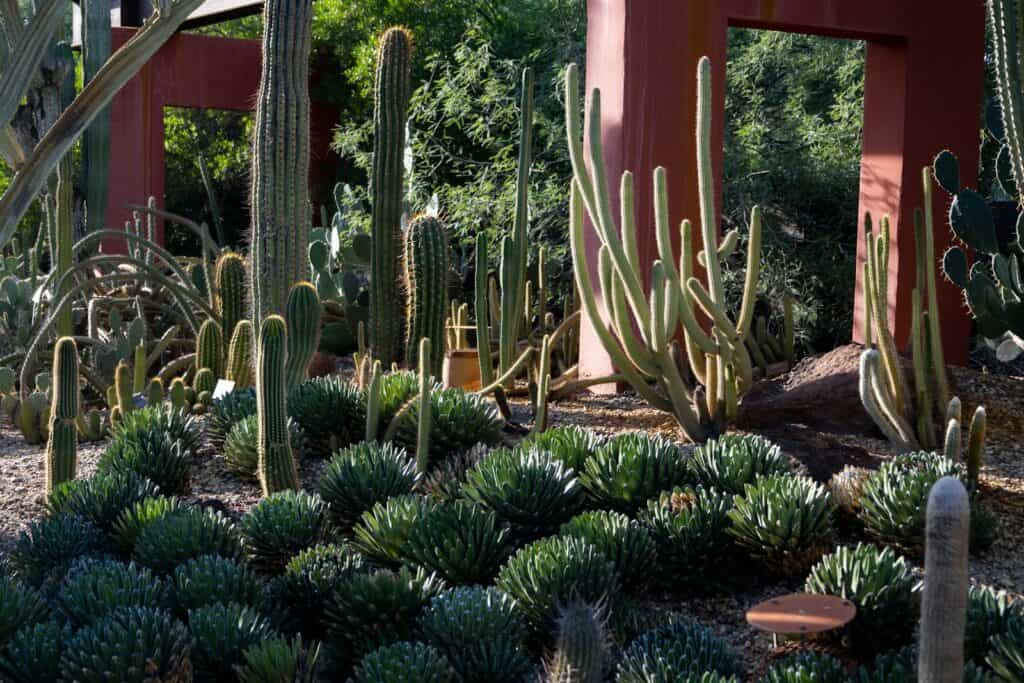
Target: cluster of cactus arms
(62, 445)
(281, 212)
(905, 410)
(953, 441)
(457, 326)
(303, 317)
(766, 348)
(276, 468)
(426, 290)
(390, 111)
(699, 383)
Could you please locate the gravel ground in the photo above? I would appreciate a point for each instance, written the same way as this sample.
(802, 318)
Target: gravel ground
(21, 478)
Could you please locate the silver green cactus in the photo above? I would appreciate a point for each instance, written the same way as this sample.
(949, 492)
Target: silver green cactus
(276, 466)
(62, 446)
(303, 318)
(426, 289)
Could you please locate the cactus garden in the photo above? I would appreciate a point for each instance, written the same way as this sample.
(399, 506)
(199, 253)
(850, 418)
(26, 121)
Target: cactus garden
(575, 437)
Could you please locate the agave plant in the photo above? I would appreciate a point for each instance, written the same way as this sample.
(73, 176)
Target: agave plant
(622, 540)
(132, 520)
(989, 614)
(152, 455)
(222, 633)
(732, 461)
(681, 650)
(227, 411)
(360, 476)
(1006, 652)
(20, 607)
(212, 579)
(92, 589)
(185, 534)
(631, 469)
(310, 579)
(384, 530)
(34, 652)
(101, 499)
(280, 659)
(806, 667)
(48, 547)
(462, 542)
(280, 526)
(403, 663)
(331, 412)
(571, 445)
(459, 421)
(240, 445)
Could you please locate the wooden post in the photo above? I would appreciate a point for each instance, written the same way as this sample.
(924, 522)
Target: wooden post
(944, 604)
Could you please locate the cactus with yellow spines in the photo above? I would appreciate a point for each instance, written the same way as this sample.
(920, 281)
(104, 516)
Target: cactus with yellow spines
(276, 468)
(210, 348)
(240, 356)
(303, 320)
(155, 392)
(62, 446)
(179, 394)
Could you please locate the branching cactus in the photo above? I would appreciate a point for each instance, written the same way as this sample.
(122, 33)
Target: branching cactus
(303, 318)
(62, 447)
(276, 464)
(390, 110)
(281, 212)
(426, 277)
(230, 286)
(580, 646)
(240, 356)
(643, 325)
(210, 348)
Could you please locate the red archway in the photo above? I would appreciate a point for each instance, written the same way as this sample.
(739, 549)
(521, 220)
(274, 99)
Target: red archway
(924, 75)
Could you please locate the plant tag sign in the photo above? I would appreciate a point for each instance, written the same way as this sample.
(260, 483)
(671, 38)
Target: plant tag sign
(223, 388)
(139, 400)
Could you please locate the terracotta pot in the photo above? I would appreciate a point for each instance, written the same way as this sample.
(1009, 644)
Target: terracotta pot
(462, 369)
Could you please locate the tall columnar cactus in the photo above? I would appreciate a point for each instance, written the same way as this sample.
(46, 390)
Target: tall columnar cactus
(240, 355)
(230, 285)
(426, 276)
(579, 647)
(210, 348)
(96, 48)
(373, 403)
(276, 467)
(281, 212)
(62, 447)
(390, 110)
(303, 318)
(644, 324)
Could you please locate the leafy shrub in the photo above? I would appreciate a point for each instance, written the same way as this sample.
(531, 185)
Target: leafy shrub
(278, 660)
(20, 607)
(50, 545)
(785, 522)
(92, 589)
(183, 535)
(528, 490)
(690, 528)
(460, 541)
(622, 540)
(384, 530)
(989, 614)
(732, 461)
(212, 579)
(101, 499)
(131, 645)
(481, 633)
(676, 652)
(894, 499)
(222, 633)
(379, 608)
(360, 476)
(554, 571)
(33, 653)
(459, 421)
(227, 411)
(278, 527)
(881, 585)
(133, 519)
(310, 579)
(630, 469)
(1006, 652)
(570, 445)
(331, 412)
(240, 446)
(150, 454)
(403, 663)
(806, 667)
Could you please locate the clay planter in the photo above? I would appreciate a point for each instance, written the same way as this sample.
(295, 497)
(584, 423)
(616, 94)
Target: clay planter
(462, 369)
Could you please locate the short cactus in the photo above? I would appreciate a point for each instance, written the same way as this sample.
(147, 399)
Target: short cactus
(61, 448)
(240, 356)
(123, 388)
(178, 393)
(579, 647)
(426, 273)
(204, 382)
(210, 348)
(303, 319)
(276, 467)
(155, 392)
(230, 284)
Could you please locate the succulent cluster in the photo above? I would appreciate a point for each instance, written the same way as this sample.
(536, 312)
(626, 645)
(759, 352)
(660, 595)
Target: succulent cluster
(459, 420)
(628, 544)
(462, 542)
(281, 526)
(681, 650)
(384, 531)
(807, 667)
(360, 476)
(241, 446)
(156, 443)
(330, 411)
(571, 445)
(628, 470)
(732, 461)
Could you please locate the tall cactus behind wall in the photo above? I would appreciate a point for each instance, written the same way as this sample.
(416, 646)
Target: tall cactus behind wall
(96, 49)
(303, 319)
(390, 109)
(62, 447)
(276, 464)
(426, 274)
(229, 281)
(281, 211)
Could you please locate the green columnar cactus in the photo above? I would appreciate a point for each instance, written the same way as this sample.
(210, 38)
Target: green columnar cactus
(303, 318)
(230, 285)
(210, 348)
(204, 382)
(61, 449)
(179, 394)
(240, 356)
(579, 647)
(96, 48)
(155, 392)
(1005, 16)
(426, 275)
(644, 326)
(976, 447)
(123, 390)
(276, 467)
(425, 412)
(373, 403)
(390, 110)
(139, 368)
(281, 212)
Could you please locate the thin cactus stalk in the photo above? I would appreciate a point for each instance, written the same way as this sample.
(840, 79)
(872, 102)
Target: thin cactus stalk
(303, 318)
(230, 287)
(580, 645)
(210, 348)
(240, 356)
(62, 446)
(373, 403)
(425, 414)
(1005, 17)
(951, 442)
(426, 275)
(540, 413)
(276, 463)
(391, 105)
(281, 212)
(976, 447)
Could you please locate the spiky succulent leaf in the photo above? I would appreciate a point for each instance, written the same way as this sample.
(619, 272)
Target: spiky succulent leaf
(92, 589)
(212, 579)
(101, 499)
(331, 412)
(403, 663)
(20, 607)
(677, 651)
(629, 546)
(384, 530)
(227, 411)
(806, 667)
(279, 527)
(48, 547)
(631, 469)
(186, 534)
(279, 660)
(732, 461)
(1006, 652)
(33, 653)
(222, 633)
(152, 455)
(360, 476)
(571, 445)
(462, 542)
(310, 579)
(133, 519)
(989, 614)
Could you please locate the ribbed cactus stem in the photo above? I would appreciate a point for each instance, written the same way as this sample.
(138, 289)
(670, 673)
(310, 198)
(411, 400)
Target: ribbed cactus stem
(579, 647)
(139, 367)
(240, 356)
(204, 381)
(951, 442)
(210, 348)
(976, 447)
(540, 412)
(373, 403)
(938, 361)
(281, 212)
(391, 105)
(230, 285)
(123, 388)
(303, 319)
(179, 393)
(155, 392)
(426, 274)
(425, 413)
(1005, 18)
(276, 464)
(62, 447)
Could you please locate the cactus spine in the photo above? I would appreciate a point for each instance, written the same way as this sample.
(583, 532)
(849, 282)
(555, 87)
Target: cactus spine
(391, 104)
(240, 356)
(276, 466)
(210, 348)
(303, 318)
(230, 284)
(425, 413)
(61, 449)
(281, 212)
(426, 274)
(580, 646)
